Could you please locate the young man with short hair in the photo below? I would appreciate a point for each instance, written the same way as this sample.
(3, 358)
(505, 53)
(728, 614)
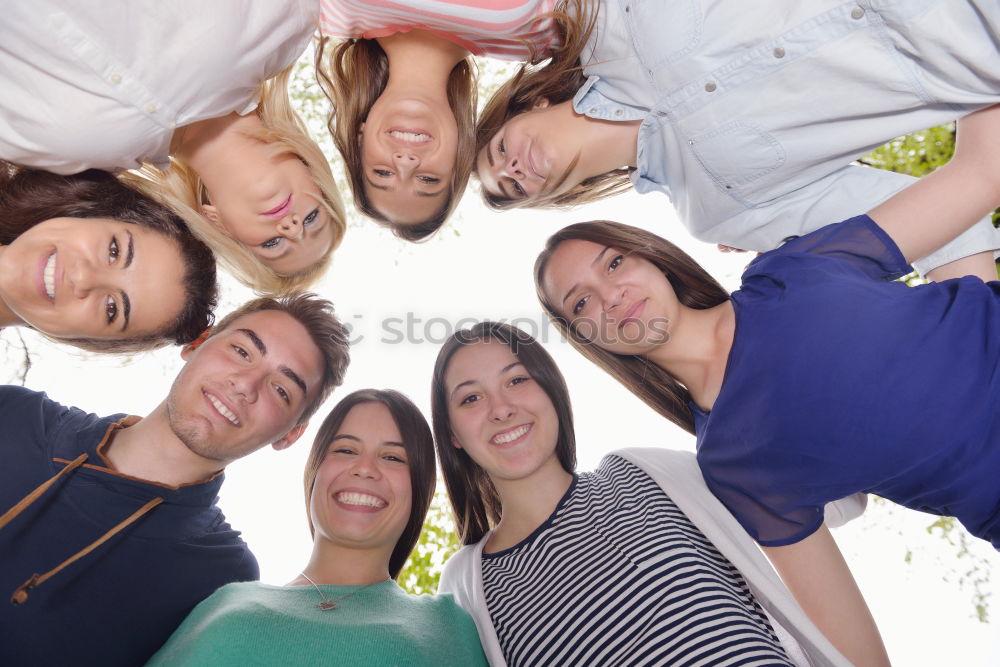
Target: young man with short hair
(111, 533)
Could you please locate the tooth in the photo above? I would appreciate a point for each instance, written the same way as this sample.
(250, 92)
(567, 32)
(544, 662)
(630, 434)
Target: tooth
(49, 276)
(352, 498)
(510, 436)
(224, 410)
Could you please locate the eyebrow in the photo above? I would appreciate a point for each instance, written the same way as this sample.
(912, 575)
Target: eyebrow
(131, 250)
(467, 382)
(348, 436)
(285, 370)
(596, 260)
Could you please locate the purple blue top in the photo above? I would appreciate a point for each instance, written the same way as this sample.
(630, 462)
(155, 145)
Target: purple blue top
(840, 381)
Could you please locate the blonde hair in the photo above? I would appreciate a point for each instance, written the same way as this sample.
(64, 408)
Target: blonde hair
(180, 188)
(353, 74)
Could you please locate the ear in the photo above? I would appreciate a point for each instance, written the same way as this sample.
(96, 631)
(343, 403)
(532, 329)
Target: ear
(212, 214)
(286, 441)
(361, 133)
(455, 443)
(540, 103)
(195, 344)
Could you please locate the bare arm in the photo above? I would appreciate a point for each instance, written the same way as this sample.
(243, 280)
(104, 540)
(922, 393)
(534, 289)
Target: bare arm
(939, 207)
(818, 576)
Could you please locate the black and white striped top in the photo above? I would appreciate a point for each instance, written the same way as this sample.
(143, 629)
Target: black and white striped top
(618, 575)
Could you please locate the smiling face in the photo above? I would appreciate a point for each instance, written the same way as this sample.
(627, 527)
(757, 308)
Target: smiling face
(622, 303)
(245, 387)
(271, 205)
(92, 278)
(532, 154)
(499, 414)
(408, 150)
(362, 497)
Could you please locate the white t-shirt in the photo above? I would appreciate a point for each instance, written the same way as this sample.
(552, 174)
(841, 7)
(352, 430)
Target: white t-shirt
(104, 85)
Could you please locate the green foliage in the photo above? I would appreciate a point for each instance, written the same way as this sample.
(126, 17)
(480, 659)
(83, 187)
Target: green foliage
(436, 544)
(916, 154)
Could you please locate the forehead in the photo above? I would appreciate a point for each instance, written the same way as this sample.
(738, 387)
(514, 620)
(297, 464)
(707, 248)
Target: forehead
(287, 341)
(370, 421)
(478, 362)
(572, 260)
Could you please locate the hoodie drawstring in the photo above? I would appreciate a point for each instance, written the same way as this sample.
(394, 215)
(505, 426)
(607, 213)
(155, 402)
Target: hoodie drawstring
(21, 593)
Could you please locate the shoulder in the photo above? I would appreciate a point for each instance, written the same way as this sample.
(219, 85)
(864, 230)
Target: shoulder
(33, 414)
(458, 574)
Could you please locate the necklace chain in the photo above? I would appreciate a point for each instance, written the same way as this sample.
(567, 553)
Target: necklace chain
(327, 603)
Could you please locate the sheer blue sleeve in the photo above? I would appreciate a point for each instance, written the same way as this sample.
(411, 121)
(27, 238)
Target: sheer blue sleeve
(858, 241)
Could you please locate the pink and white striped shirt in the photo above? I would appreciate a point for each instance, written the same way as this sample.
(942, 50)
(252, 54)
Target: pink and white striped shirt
(494, 28)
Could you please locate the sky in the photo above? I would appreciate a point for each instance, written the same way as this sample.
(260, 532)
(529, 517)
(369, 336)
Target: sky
(402, 300)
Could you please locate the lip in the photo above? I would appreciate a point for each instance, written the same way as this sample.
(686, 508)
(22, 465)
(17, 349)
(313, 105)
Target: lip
(281, 210)
(529, 155)
(209, 395)
(632, 314)
(516, 441)
(351, 507)
(40, 275)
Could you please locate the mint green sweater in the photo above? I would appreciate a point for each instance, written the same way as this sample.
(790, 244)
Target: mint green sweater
(257, 624)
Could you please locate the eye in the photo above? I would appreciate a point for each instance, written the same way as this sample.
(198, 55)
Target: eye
(271, 243)
(578, 306)
(430, 180)
(340, 449)
(113, 251)
(282, 394)
(518, 189)
(310, 217)
(111, 309)
(469, 400)
(395, 458)
(384, 173)
(241, 351)
(518, 380)
(615, 262)
(501, 149)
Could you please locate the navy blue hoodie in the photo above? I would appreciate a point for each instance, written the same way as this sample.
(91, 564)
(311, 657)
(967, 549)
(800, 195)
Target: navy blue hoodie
(118, 603)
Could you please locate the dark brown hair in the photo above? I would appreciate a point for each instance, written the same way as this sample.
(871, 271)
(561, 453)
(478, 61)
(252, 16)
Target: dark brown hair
(353, 74)
(317, 316)
(556, 79)
(417, 442)
(474, 499)
(30, 196)
(694, 288)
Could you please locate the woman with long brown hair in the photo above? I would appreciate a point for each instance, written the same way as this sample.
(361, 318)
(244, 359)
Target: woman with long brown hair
(794, 384)
(403, 88)
(749, 125)
(633, 563)
(368, 485)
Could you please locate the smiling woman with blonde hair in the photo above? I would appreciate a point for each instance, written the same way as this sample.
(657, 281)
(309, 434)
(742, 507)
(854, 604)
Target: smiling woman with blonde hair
(197, 95)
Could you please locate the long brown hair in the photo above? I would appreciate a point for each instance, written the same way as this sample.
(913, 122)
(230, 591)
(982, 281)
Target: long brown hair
(353, 74)
(556, 79)
(474, 500)
(417, 442)
(694, 288)
(31, 196)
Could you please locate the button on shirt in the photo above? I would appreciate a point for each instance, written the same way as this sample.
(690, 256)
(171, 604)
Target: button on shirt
(752, 111)
(99, 84)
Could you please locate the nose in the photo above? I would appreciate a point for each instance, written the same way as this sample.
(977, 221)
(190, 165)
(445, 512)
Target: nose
(84, 277)
(512, 168)
(612, 295)
(405, 163)
(501, 411)
(365, 467)
(290, 227)
(243, 384)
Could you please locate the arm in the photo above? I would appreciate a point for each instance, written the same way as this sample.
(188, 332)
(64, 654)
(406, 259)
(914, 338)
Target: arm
(938, 207)
(817, 575)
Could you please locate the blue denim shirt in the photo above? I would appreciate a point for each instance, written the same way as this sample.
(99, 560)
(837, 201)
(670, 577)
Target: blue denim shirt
(753, 111)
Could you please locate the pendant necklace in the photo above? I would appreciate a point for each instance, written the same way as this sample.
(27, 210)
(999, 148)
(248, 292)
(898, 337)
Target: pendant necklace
(327, 603)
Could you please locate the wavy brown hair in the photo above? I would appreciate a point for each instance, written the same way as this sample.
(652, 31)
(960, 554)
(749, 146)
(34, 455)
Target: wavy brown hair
(30, 196)
(555, 76)
(417, 442)
(694, 288)
(353, 74)
(474, 500)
